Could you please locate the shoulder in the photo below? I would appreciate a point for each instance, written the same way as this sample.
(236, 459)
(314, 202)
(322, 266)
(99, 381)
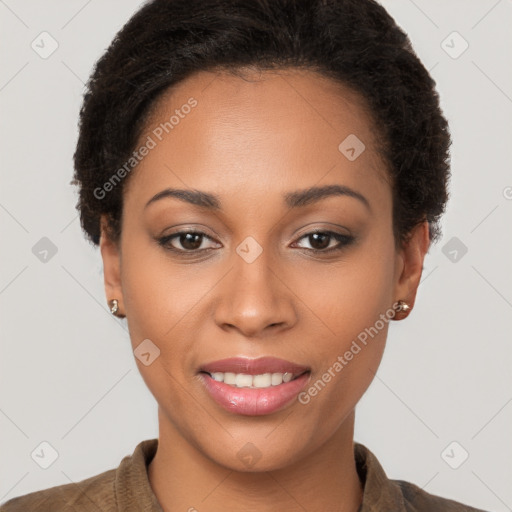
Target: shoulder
(123, 488)
(417, 500)
(386, 495)
(94, 493)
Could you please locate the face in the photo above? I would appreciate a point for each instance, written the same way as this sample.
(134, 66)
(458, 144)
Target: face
(263, 268)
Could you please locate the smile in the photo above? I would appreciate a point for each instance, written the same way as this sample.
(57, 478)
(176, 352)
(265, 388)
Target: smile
(262, 381)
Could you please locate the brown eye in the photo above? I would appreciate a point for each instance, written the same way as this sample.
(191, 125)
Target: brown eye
(321, 240)
(185, 241)
(191, 241)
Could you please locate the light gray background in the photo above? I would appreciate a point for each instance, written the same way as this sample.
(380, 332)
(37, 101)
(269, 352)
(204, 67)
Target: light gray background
(68, 375)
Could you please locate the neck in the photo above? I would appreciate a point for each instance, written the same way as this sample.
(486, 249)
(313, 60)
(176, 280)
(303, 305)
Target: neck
(183, 479)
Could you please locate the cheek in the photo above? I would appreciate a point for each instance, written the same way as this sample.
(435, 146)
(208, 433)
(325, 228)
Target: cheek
(348, 358)
(163, 303)
(158, 293)
(160, 300)
(346, 297)
(351, 303)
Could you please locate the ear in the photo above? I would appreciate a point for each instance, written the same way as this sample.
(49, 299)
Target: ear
(409, 264)
(111, 256)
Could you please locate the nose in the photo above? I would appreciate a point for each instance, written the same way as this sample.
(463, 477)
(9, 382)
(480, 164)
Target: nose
(255, 299)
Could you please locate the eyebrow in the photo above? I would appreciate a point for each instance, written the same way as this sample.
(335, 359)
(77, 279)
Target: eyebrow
(297, 199)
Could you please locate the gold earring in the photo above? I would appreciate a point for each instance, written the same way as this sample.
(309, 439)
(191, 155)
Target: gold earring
(114, 308)
(402, 309)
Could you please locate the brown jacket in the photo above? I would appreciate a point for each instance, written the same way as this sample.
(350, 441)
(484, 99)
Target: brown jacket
(127, 489)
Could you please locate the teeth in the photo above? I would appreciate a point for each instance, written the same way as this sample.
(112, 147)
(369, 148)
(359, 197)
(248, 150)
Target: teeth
(242, 380)
(229, 378)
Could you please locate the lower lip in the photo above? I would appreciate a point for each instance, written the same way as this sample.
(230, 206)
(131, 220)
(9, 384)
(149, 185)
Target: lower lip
(254, 402)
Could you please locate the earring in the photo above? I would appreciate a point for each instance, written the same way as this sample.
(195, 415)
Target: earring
(114, 308)
(402, 309)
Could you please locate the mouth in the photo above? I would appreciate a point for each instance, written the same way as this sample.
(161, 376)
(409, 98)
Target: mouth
(260, 381)
(251, 366)
(260, 373)
(254, 386)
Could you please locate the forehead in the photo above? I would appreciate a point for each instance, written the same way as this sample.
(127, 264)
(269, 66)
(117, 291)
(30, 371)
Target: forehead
(271, 130)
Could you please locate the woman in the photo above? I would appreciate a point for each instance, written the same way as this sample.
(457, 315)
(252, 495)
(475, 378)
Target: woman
(264, 180)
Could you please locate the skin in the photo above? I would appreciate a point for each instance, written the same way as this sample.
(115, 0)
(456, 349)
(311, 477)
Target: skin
(249, 142)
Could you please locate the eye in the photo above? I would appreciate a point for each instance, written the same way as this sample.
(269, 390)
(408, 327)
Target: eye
(190, 241)
(321, 240)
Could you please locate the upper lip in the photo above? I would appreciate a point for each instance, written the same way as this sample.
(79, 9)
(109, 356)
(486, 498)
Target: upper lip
(250, 366)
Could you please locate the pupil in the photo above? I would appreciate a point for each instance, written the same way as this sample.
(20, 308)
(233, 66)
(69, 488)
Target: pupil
(192, 241)
(187, 243)
(325, 239)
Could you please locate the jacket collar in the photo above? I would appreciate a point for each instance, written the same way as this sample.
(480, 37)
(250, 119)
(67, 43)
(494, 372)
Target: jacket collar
(133, 491)
(380, 494)
(131, 486)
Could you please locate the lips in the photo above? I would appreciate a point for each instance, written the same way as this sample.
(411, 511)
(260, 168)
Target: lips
(254, 366)
(275, 384)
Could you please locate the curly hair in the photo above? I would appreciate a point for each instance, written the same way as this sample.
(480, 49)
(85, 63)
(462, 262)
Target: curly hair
(354, 42)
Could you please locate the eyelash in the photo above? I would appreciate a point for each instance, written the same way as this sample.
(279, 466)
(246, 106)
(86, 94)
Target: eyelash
(344, 241)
